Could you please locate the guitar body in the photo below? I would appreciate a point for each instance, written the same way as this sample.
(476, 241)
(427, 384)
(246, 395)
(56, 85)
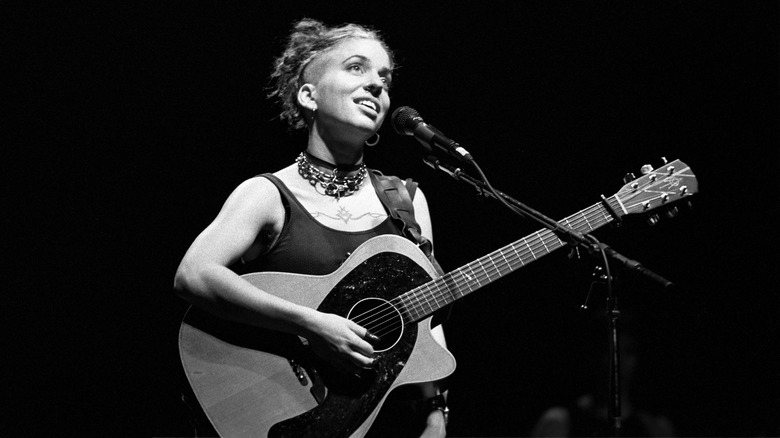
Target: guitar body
(256, 382)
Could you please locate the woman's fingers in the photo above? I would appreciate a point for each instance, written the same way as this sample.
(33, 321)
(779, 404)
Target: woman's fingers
(371, 338)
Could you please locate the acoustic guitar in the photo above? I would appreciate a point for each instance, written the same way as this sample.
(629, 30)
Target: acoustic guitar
(256, 382)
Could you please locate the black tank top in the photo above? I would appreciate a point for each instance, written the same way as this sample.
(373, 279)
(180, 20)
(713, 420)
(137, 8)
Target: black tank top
(305, 246)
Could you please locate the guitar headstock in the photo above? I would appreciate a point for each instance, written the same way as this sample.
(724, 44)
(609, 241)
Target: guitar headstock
(658, 188)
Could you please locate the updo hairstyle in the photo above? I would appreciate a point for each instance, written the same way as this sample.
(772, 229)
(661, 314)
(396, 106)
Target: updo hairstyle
(308, 39)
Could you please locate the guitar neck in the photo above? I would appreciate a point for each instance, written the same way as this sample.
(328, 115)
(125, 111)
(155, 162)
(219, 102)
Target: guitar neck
(424, 300)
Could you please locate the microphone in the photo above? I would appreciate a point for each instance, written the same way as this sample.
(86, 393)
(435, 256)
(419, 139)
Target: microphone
(407, 121)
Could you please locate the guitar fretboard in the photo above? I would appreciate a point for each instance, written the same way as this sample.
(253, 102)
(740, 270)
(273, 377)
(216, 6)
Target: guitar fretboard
(424, 300)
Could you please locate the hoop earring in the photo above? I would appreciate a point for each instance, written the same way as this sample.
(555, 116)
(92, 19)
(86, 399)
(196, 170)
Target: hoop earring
(375, 142)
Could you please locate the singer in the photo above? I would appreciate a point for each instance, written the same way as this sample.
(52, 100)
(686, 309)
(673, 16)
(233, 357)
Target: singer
(307, 218)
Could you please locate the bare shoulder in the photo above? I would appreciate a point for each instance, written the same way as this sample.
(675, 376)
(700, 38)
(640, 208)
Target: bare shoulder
(255, 185)
(255, 199)
(251, 217)
(289, 175)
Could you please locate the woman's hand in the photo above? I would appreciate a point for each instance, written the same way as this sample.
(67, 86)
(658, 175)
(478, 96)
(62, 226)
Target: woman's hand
(342, 342)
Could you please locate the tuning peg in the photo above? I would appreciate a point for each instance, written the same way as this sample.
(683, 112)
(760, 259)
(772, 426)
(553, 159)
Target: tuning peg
(652, 220)
(647, 168)
(672, 212)
(628, 178)
(664, 160)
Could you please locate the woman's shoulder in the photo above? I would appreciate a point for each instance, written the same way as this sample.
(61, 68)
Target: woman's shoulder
(252, 194)
(262, 183)
(254, 186)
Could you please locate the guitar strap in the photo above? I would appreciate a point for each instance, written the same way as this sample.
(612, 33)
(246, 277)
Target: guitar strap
(397, 196)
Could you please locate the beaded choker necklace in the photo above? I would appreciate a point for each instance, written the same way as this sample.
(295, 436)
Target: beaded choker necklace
(334, 184)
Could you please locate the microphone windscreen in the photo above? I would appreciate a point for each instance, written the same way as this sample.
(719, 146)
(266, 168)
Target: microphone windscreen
(404, 120)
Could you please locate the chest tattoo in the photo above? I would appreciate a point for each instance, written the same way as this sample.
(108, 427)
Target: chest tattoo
(346, 216)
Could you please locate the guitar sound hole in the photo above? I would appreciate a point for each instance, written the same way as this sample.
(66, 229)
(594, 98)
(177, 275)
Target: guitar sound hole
(381, 318)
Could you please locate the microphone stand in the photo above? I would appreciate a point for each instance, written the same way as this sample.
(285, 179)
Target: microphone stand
(574, 238)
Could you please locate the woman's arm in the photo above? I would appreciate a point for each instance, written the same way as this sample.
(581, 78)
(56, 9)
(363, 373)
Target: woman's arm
(204, 279)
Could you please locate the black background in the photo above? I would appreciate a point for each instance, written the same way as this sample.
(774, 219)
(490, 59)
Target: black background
(132, 122)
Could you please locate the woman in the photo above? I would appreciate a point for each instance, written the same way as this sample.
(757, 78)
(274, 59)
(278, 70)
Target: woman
(307, 217)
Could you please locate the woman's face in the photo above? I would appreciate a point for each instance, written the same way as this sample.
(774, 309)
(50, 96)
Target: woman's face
(351, 84)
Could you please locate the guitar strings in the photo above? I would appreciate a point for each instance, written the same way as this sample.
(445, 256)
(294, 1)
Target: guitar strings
(550, 240)
(377, 318)
(413, 295)
(380, 318)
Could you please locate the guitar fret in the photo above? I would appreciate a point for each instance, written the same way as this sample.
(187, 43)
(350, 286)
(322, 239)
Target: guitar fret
(495, 268)
(568, 224)
(444, 293)
(529, 248)
(409, 305)
(448, 293)
(427, 303)
(434, 294)
(587, 222)
(516, 257)
(560, 242)
(408, 309)
(547, 238)
(607, 217)
(544, 244)
(440, 297)
(473, 277)
(430, 298)
(519, 258)
(444, 279)
(415, 308)
(430, 305)
(484, 271)
(506, 262)
(503, 267)
(493, 262)
(466, 278)
(417, 300)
